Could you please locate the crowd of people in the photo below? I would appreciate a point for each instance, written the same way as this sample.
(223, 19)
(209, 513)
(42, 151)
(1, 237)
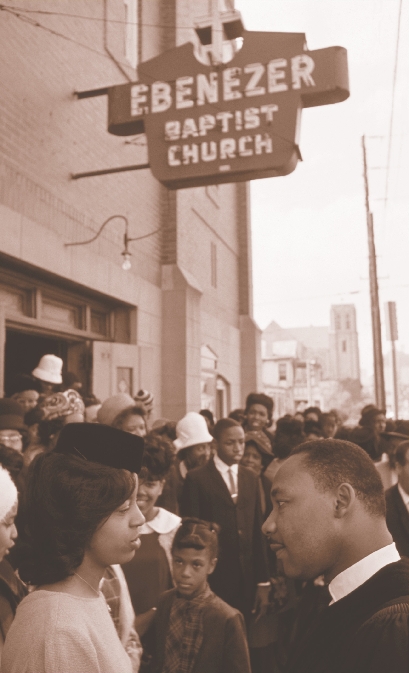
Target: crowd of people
(232, 546)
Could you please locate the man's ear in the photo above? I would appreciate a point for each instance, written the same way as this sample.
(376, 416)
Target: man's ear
(345, 497)
(213, 564)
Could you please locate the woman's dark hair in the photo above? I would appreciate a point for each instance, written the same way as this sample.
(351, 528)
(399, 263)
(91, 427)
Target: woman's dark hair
(313, 410)
(197, 534)
(91, 401)
(129, 411)
(289, 433)
(263, 399)
(67, 499)
(167, 430)
(47, 430)
(157, 458)
(312, 428)
(206, 413)
(12, 460)
(222, 425)
(238, 415)
(34, 416)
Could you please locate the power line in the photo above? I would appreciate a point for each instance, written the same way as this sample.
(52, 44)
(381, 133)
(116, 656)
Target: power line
(395, 71)
(36, 24)
(99, 19)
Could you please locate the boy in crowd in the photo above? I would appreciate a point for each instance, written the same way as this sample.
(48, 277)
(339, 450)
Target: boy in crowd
(194, 630)
(228, 493)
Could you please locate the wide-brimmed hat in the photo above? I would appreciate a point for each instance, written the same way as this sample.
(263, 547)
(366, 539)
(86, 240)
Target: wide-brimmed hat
(102, 444)
(49, 369)
(191, 430)
(113, 406)
(11, 415)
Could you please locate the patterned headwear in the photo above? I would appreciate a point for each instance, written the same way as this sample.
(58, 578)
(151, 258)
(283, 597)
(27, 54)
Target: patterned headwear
(63, 404)
(260, 439)
(145, 398)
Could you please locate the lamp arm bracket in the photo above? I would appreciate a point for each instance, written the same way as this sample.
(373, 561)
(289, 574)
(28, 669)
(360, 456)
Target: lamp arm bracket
(103, 225)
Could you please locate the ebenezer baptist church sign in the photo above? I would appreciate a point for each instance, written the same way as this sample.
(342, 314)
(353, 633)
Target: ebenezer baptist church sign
(233, 121)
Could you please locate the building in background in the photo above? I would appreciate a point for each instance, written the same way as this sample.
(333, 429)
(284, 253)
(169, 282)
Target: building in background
(179, 322)
(343, 343)
(319, 366)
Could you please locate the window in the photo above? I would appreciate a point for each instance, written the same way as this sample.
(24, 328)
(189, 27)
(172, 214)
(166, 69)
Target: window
(337, 321)
(131, 32)
(213, 264)
(61, 312)
(347, 322)
(282, 371)
(99, 322)
(301, 376)
(344, 346)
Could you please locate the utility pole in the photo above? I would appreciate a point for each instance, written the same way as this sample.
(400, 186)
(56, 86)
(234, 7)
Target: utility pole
(392, 336)
(373, 284)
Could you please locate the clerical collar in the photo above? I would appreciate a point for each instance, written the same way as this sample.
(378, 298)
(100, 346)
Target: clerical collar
(352, 578)
(222, 467)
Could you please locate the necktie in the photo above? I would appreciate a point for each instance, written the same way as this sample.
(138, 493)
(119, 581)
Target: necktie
(232, 485)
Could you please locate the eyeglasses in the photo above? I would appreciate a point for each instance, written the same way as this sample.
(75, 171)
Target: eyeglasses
(11, 438)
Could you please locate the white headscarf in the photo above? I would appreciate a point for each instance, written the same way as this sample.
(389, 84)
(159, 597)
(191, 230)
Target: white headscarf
(8, 493)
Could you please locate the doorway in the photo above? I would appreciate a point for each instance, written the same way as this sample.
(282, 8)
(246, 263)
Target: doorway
(23, 351)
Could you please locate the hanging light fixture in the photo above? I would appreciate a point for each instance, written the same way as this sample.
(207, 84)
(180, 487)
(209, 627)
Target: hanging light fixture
(126, 262)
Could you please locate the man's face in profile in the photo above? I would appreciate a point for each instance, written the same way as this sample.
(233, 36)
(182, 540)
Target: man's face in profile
(302, 528)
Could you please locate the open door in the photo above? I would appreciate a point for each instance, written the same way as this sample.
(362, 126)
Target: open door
(2, 347)
(79, 361)
(115, 369)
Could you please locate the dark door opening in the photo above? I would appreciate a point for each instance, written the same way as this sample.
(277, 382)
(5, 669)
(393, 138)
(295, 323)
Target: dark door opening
(24, 350)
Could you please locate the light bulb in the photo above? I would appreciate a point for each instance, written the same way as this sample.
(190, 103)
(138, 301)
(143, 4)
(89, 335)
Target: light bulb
(126, 264)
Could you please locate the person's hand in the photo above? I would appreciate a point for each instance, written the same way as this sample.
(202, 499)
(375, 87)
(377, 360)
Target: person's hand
(261, 601)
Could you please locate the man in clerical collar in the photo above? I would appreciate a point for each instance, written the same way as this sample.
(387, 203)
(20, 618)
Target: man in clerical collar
(328, 519)
(397, 501)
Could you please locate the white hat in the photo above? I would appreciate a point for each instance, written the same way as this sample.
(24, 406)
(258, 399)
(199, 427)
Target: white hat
(49, 369)
(113, 406)
(191, 430)
(8, 493)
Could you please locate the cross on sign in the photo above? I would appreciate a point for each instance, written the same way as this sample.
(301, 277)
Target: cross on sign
(209, 124)
(217, 32)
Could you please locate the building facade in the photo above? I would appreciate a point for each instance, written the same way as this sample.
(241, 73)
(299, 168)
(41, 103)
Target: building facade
(179, 321)
(343, 338)
(304, 366)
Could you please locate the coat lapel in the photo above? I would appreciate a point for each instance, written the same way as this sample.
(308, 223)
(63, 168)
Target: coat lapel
(403, 512)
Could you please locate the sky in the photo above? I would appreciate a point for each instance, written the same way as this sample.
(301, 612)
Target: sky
(309, 232)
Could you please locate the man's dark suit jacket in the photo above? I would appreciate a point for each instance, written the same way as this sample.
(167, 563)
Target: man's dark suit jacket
(397, 519)
(242, 558)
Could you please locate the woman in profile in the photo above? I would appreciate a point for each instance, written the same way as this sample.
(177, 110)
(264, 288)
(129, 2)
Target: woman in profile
(81, 517)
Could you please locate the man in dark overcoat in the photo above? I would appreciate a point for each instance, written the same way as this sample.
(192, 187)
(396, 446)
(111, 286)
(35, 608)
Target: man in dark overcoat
(228, 494)
(397, 501)
(328, 519)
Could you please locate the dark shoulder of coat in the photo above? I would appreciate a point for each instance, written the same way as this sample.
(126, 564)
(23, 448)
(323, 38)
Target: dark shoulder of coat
(224, 647)
(397, 520)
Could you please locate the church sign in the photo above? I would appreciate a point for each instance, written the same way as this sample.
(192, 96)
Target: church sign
(232, 121)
